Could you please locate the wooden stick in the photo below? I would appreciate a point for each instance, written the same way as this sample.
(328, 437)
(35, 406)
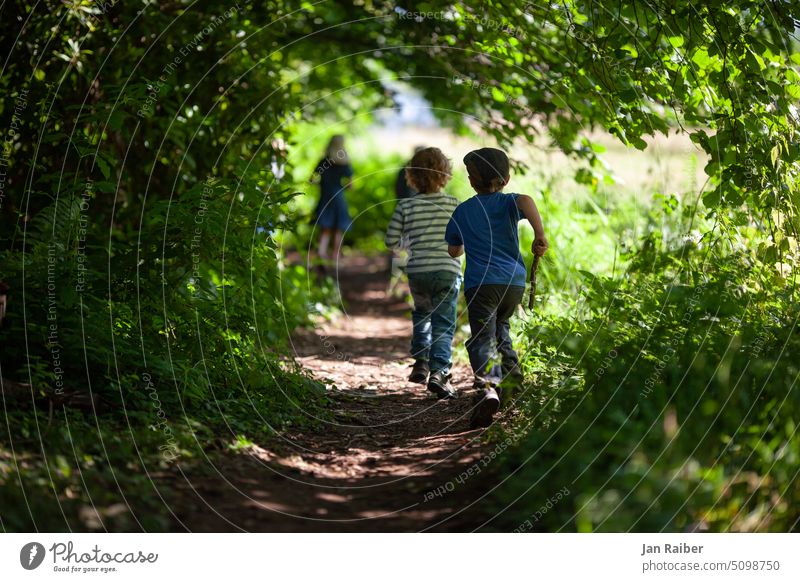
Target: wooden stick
(534, 267)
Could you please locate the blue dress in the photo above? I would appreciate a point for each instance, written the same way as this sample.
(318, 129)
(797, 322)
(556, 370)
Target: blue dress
(332, 208)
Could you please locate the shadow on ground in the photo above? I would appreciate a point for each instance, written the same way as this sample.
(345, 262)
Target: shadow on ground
(392, 459)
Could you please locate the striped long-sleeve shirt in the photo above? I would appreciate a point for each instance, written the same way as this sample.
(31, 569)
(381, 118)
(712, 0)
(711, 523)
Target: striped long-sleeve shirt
(422, 220)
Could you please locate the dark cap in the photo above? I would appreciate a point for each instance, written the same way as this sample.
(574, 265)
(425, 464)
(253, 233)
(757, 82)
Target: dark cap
(487, 165)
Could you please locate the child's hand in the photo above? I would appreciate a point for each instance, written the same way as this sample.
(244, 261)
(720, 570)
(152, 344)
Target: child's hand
(539, 246)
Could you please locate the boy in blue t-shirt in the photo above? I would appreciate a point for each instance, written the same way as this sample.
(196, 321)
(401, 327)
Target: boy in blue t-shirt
(485, 227)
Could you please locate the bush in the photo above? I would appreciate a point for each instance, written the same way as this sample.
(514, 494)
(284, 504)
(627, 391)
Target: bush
(669, 405)
(177, 329)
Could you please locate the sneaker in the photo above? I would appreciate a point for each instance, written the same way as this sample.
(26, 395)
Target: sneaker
(419, 374)
(481, 383)
(486, 404)
(439, 384)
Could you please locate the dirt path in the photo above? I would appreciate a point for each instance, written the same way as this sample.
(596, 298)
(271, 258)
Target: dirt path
(378, 465)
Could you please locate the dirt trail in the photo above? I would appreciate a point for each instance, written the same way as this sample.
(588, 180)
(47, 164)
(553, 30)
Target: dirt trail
(373, 468)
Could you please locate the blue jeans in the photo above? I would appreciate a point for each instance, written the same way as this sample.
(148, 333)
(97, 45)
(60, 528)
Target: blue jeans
(435, 297)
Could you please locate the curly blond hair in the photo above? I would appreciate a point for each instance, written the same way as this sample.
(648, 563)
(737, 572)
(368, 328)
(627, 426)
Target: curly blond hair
(429, 170)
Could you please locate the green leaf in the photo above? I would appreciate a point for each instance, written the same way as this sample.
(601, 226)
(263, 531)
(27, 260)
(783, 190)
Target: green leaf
(774, 154)
(701, 58)
(105, 169)
(638, 143)
(675, 41)
(116, 119)
(755, 61)
(711, 199)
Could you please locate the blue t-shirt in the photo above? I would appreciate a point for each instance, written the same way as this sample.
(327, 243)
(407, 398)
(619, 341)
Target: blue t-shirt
(486, 225)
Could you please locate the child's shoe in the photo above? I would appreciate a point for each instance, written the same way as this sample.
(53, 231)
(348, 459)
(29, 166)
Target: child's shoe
(439, 384)
(481, 383)
(419, 373)
(485, 405)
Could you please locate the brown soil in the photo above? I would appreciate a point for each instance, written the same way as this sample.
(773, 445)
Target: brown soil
(377, 464)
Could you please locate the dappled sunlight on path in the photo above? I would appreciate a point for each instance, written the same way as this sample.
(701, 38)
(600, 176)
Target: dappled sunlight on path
(375, 464)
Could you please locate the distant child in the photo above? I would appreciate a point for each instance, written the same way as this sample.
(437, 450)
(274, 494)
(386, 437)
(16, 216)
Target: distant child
(332, 216)
(485, 227)
(433, 275)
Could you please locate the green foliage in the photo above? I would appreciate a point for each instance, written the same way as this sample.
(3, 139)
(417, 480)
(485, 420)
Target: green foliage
(371, 201)
(669, 404)
(124, 123)
(181, 336)
(195, 302)
(131, 238)
(725, 72)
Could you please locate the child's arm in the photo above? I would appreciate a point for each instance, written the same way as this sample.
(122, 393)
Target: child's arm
(455, 250)
(528, 208)
(395, 230)
(452, 236)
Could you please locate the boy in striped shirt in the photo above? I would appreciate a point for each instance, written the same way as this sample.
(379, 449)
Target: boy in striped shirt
(433, 275)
